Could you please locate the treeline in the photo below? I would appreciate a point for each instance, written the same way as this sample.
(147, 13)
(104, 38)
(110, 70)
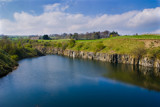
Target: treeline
(86, 36)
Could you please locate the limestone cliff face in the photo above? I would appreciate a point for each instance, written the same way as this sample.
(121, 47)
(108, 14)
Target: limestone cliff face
(113, 58)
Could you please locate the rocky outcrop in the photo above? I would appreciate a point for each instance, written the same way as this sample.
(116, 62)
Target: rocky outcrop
(112, 58)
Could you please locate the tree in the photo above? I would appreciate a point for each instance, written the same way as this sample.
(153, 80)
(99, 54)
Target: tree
(114, 34)
(46, 37)
(75, 36)
(97, 35)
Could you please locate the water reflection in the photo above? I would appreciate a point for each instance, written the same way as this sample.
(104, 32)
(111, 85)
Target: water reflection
(145, 77)
(56, 81)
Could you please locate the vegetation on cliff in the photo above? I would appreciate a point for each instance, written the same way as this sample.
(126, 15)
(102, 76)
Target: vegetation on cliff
(12, 51)
(6, 63)
(138, 46)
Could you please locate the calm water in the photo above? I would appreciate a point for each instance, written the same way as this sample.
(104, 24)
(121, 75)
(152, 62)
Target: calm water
(56, 81)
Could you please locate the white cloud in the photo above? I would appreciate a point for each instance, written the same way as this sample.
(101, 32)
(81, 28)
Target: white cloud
(146, 17)
(55, 7)
(56, 20)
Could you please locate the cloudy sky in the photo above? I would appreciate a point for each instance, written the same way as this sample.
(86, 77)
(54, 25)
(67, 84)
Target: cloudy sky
(25, 17)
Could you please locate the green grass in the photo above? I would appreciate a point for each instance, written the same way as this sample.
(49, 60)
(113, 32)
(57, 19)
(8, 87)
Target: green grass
(59, 40)
(120, 45)
(96, 40)
(16, 37)
(23, 48)
(147, 36)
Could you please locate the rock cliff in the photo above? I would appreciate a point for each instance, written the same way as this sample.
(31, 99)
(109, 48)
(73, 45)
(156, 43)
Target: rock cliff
(112, 58)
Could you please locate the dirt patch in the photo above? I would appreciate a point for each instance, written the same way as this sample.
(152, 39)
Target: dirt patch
(151, 43)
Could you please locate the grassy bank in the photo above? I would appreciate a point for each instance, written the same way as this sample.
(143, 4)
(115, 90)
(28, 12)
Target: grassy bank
(138, 46)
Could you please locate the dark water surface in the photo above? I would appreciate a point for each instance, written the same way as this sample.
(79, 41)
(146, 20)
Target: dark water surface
(57, 81)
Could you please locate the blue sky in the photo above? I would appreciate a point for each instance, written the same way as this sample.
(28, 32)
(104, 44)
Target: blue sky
(90, 9)
(87, 7)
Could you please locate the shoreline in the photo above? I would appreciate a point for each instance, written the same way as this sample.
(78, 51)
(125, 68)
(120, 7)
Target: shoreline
(105, 57)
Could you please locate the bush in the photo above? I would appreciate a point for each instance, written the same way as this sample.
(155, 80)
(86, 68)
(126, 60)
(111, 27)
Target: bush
(47, 44)
(155, 52)
(139, 51)
(6, 63)
(28, 45)
(79, 46)
(14, 57)
(72, 43)
(59, 45)
(64, 45)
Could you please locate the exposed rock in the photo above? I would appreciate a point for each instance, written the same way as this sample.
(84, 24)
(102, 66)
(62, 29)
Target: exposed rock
(113, 58)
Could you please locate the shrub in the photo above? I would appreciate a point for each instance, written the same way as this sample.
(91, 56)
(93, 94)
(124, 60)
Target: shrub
(71, 43)
(155, 52)
(64, 45)
(139, 51)
(47, 44)
(14, 57)
(59, 44)
(28, 45)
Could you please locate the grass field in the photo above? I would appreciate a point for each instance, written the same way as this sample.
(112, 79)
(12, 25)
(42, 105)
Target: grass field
(60, 40)
(147, 36)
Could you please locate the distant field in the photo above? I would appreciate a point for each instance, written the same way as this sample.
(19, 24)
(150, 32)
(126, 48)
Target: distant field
(126, 37)
(119, 37)
(16, 37)
(60, 40)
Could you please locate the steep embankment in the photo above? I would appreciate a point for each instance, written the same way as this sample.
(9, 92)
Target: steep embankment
(7, 64)
(137, 50)
(113, 58)
(145, 52)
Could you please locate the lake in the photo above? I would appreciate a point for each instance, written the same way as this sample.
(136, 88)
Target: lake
(57, 81)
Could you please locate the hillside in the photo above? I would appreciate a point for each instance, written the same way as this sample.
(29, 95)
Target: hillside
(7, 64)
(141, 45)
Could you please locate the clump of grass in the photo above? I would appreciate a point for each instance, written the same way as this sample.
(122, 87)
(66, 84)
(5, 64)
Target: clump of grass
(71, 43)
(64, 45)
(78, 46)
(99, 47)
